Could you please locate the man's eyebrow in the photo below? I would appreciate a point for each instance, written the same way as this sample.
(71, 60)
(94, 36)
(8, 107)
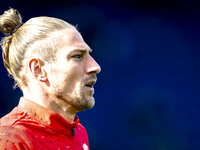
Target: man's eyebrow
(82, 50)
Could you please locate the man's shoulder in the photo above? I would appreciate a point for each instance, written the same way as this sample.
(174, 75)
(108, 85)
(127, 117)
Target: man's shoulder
(81, 130)
(10, 118)
(10, 131)
(80, 126)
(13, 138)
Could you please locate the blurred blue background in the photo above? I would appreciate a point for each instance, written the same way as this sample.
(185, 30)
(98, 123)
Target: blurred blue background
(147, 94)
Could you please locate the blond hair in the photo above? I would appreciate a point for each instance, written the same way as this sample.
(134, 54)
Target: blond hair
(33, 37)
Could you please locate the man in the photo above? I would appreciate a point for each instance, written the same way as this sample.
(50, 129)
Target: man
(50, 62)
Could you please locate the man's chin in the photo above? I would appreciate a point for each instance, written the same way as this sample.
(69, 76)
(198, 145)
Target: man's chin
(90, 102)
(85, 103)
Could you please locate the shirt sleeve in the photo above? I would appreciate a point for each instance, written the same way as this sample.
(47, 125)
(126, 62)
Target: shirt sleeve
(15, 139)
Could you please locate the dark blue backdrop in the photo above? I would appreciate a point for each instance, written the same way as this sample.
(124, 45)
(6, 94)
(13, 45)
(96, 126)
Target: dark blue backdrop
(147, 94)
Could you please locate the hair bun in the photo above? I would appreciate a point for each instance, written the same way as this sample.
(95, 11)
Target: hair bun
(9, 20)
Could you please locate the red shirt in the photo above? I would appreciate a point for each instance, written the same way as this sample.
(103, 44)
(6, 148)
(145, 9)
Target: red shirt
(30, 126)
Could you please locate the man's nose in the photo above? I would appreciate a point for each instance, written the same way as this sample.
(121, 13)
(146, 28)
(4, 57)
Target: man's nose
(93, 67)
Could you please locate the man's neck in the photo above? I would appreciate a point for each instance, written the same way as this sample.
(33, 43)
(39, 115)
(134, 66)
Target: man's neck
(51, 102)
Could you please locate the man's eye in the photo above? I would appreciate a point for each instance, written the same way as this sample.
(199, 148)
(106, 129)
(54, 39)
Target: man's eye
(78, 56)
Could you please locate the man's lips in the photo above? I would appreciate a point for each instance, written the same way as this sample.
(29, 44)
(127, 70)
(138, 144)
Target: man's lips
(90, 83)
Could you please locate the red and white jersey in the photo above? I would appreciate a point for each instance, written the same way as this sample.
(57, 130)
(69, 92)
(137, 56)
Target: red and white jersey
(30, 126)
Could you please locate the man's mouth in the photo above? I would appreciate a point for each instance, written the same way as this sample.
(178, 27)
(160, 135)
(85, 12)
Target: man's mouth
(90, 84)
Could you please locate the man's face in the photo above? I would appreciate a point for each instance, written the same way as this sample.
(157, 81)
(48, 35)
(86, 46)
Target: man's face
(73, 74)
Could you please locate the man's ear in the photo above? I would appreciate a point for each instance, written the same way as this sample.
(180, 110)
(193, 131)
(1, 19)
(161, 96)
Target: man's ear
(37, 70)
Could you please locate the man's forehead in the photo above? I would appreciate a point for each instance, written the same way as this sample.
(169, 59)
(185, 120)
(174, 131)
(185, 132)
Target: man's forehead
(74, 47)
(76, 42)
(72, 41)
(71, 35)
